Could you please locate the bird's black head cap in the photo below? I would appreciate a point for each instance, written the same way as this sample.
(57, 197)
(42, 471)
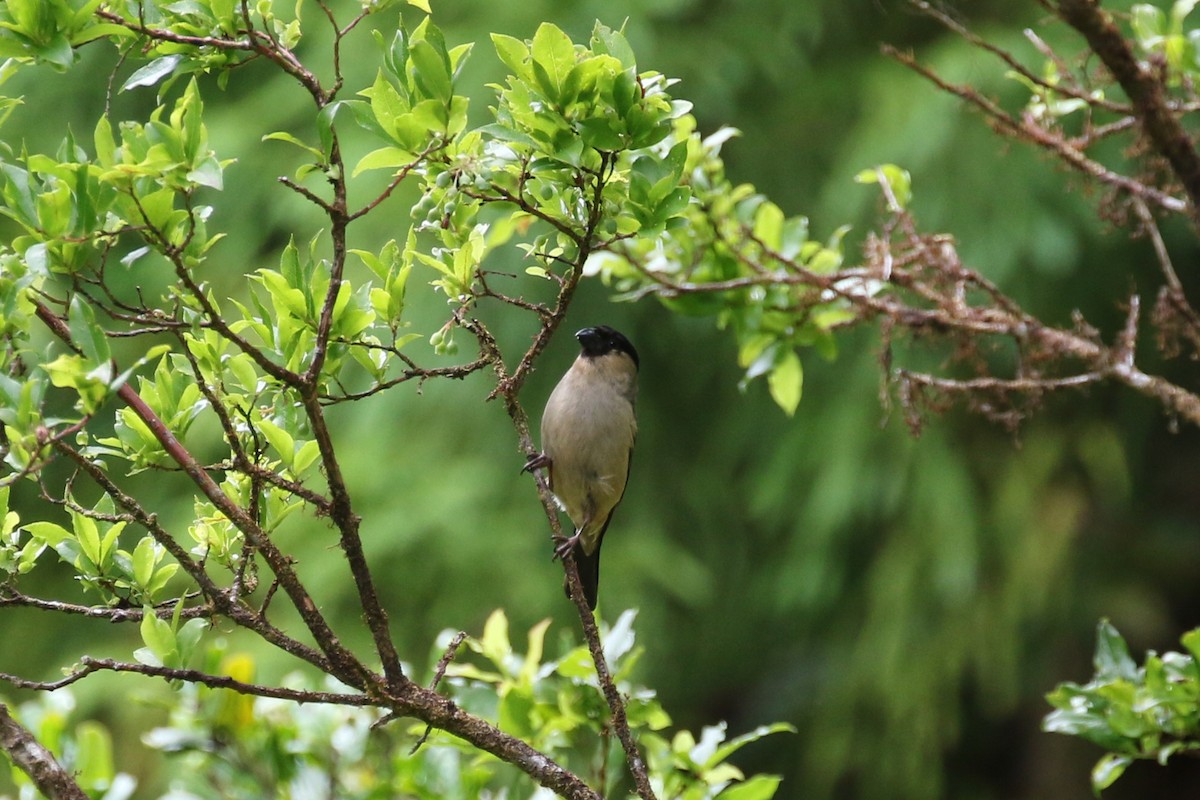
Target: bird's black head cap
(602, 340)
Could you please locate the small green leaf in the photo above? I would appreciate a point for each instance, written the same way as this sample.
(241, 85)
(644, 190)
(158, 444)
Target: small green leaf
(189, 636)
(533, 655)
(383, 158)
(738, 742)
(1191, 640)
(279, 439)
(1112, 659)
(495, 644)
(88, 536)
(513, 52)
(553, 59)
(86, 333)
(94, 762)
(431, 71)
(158, 637)
(144, 557)
(153, 72)
(896, 181)
(759, 787)
(786, 382)
(48, 532)
(306, 455)
(284, 136)
(1107, 770)
(768, 225)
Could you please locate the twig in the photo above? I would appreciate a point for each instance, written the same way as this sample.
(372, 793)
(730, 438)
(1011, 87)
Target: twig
(114, 615)
(438, 673)
(88, 665)
(1027, 130)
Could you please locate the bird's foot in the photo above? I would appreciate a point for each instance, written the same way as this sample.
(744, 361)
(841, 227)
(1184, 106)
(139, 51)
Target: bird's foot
(536, 461)
(564, 545)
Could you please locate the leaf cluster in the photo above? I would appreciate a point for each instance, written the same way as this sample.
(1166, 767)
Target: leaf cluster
(1135, 712)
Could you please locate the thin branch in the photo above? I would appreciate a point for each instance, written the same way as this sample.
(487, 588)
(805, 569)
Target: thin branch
(508, 386)
(88, 665)
(1160, 247)
(8, 597)
(439, 672)
(616, 704)
(456, 372)
(951, 24)
(1027, 130)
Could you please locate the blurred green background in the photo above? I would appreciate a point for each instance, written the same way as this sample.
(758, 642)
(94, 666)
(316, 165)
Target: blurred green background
(905, 602)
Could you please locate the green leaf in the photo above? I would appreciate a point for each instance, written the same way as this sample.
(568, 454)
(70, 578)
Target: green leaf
(513, 52)
(48, 532)
(94, 760)
(553, 59)
(431, 71)
(768, 225)
(88, 536)
(738, 742)
(1191, 640)
(386, 103)
(786, 382)
(1107, 770)
(897, 181)
(306, 455)
(284, 136)
(86, 333)
(1112, 659)
(153, 72)
(1149, 24)
(189, 635)
(279, 439)
(533, 655)
(614, 43)
(495, 644)
(383, 158)
(145, 555)
(108, 545)
(759, 787)
(158, 637)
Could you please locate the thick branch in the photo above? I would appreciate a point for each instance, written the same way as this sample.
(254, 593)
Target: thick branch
(442, 713)
(347, 522)
(1144, 88)
(47, 774)
(221, 600)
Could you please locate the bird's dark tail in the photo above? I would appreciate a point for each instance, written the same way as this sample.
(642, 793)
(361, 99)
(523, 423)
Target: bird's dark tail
(589, 574)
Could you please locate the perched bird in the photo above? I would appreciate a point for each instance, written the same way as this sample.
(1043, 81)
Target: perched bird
(588, 430)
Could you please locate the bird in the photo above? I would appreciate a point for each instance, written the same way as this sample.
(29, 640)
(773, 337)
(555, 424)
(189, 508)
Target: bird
(588, 431)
